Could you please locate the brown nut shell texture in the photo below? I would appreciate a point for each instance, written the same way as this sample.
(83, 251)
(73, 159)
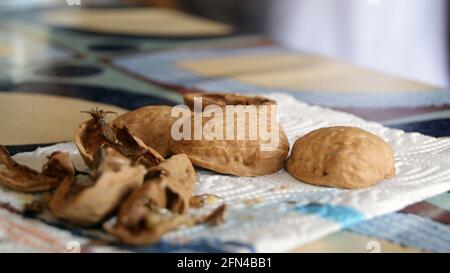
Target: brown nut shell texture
(243, 156)
(223, 99)
(22, 178)
(97, 133)
(159, 204)
(341, 157)
(151, 124)
(87, 200)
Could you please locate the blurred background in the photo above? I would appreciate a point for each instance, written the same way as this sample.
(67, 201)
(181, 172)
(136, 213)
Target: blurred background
(408, 38)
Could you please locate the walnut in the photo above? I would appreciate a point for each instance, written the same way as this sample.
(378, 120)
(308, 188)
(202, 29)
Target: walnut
(22, 178)
(87, 200)
(151, 124)
(341, 157)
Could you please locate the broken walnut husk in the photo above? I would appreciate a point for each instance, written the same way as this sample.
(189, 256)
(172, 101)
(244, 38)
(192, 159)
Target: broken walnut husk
(158, 206)
(98, 132)
(134, 148)
(151, 124)
(22, 178)
(87, 200)
(90, 136)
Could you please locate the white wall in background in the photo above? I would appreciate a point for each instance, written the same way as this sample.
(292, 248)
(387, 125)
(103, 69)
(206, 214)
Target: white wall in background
(402, 37)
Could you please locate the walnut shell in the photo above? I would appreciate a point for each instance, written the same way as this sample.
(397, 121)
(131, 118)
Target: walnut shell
(341, 157)
(22, 178)
(88, 200)
(236, 157)
(151, 124)
(223, 99)
(89, 138)
(241, 157)
(134, 148)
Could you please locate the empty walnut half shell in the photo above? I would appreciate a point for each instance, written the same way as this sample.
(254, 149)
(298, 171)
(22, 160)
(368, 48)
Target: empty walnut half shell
(158, 205)
(223, 99)
(257, 144)
(341, 157)
(151, 124)
(97, 132)
(89, 199)
(22, 178)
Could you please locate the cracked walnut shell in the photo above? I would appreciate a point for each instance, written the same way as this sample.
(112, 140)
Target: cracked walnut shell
(240, 156)
(341, 157)
(98, 132)
(151, 124)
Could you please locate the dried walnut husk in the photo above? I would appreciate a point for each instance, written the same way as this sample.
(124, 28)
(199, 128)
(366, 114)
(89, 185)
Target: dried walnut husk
(240, 157)
(22, 178)
(151, 124)
(135, 149)
(97, 132)
(199, 201)
(342, 157)
(159, 204)
(89, 199)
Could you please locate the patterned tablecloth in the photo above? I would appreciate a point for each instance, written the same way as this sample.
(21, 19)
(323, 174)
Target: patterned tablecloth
(48, 74)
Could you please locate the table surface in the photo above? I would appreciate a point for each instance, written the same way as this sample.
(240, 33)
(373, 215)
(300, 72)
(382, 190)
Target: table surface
(51, 66)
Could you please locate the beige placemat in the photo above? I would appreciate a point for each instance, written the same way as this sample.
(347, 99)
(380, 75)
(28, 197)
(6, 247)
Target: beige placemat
(135, 21)
(294, 71)
(35, 118)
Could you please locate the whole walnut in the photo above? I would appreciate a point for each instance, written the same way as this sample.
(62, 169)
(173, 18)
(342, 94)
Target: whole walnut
(341, 157)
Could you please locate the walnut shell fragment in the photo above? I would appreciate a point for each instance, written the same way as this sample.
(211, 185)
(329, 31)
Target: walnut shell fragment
(223, 99)
(151, 124)
(97, 132)
(22, 178)
(159, 204)
(89, 139)
(341, 157)
(88, 200)
(235, 153)
(216, 217)
(134, 148)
